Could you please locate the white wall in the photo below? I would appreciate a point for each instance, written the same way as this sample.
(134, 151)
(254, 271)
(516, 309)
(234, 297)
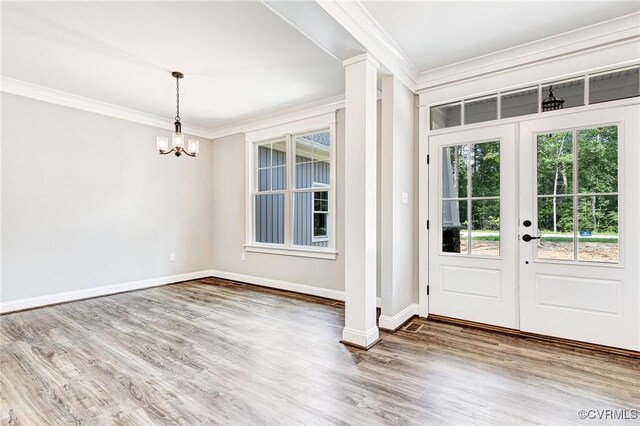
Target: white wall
(229, 195)
(88, 202)
(398, 242)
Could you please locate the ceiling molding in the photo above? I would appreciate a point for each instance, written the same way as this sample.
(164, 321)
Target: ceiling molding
(354, 18)
(595, 36)
(33, 91)
(322, 107)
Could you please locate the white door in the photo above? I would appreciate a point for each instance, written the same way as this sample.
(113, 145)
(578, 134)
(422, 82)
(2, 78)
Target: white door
(580, 192)
(473, 230)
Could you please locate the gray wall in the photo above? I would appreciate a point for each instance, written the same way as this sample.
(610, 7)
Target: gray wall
(229, 194)
(88, 202)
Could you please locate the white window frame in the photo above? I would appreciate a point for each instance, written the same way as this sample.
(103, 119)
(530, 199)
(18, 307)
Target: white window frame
(287, 132)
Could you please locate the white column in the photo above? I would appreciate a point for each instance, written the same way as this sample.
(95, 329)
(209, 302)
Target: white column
(360, 201)
(398, 239)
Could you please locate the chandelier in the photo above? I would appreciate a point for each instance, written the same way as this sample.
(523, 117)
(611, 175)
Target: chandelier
(177, 138)
(551, 103)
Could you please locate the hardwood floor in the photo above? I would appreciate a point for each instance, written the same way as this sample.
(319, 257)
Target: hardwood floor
(227, 353)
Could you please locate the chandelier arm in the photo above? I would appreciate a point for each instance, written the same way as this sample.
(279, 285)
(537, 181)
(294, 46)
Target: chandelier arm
(184, 151)
(166, 152)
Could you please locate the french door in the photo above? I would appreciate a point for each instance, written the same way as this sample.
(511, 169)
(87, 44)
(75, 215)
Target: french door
(579, 226)
(473, 243)
(536, 226)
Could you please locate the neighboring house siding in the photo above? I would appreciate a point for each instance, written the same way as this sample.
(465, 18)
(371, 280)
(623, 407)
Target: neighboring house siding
(270, 207)
(303, 223)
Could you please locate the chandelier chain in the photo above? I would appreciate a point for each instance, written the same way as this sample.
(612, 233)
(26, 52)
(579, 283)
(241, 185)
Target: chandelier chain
(177, 99)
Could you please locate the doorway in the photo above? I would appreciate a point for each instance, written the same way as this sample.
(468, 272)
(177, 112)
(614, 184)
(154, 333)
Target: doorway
(536, 226)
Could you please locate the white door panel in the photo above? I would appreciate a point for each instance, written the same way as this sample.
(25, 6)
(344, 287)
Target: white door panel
(581, 279)
(473, 241)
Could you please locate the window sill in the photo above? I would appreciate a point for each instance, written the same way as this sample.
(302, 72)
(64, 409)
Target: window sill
(290, 251)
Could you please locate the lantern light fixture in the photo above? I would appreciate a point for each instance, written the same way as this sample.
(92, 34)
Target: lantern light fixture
(551, 103)
(177, 138)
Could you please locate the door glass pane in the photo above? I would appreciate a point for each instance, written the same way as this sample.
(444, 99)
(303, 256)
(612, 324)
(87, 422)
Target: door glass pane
(454, 227)
(518, 103)
(478, 110)
(445, 116)
(454, 171)
(555, 223)
(485, 169)
(485, 227)
(555, 163)
(615, 85)
(270, 218)
(598, 229)
(598, 160)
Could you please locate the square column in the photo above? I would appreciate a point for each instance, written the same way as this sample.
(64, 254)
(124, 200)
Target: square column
(360, 201)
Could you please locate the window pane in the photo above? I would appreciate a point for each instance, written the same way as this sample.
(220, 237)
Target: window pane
(320, 225)
(304, 219)
(279, 157)
(454, 227)
(598, 160)
(598, 229)
(270, 218)
(485, 227)
(555, 163)
(519, 103)
(454, 171)
(279, 177)
(321, 144)
(615, 85)
(572, 92)
(485, 169)
(321, 171)
(304, 175)
(445, 116)
(476, 111)
(555, 223)
(321, 201)
(264, 156)
(264, 179)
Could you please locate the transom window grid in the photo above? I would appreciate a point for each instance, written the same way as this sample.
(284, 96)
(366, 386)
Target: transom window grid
(578, 93)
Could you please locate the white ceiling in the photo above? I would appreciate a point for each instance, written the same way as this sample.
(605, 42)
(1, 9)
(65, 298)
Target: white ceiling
(434, 34)
(240, 60)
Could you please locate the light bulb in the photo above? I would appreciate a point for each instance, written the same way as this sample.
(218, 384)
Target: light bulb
(178, 140)
(194, 146)
(162, 143)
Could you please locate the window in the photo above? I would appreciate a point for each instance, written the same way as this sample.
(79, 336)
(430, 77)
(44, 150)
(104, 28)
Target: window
(471, 196)
(577, 180)
(292, 194)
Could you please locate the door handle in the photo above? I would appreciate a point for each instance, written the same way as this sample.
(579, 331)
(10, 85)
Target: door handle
(526, 238)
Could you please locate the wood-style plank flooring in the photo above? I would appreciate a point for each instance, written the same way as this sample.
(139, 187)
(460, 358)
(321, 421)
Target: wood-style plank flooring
(216, 352)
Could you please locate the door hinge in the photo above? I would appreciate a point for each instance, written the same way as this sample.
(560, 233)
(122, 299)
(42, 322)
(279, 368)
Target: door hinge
(427, 224)
(427, 158)
(427, 290)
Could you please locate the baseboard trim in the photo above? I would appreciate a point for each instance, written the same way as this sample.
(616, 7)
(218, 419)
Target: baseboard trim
(393, 323)
(326, 293)
(75, 295)
(359, 339)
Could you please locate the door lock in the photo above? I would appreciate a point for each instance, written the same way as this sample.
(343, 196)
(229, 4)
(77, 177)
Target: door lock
(526, 238)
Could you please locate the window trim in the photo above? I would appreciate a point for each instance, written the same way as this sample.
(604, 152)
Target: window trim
(287, 132)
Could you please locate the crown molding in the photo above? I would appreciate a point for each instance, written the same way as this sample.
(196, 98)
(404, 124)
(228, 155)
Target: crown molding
(614, 31)
(354, 18)
(324, 106)
(33, 91)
